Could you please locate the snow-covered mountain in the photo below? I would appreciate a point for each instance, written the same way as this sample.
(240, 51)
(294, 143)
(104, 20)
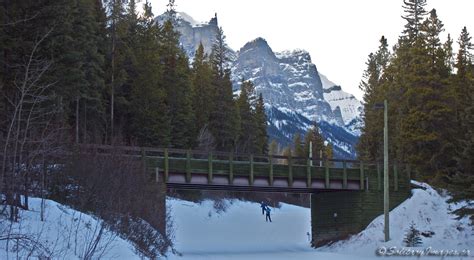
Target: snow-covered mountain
(293, 89)
(349, 106)
(288, 80)
(283, 124)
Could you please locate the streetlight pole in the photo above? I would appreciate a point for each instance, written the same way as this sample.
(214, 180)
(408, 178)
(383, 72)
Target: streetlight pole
(385, 174)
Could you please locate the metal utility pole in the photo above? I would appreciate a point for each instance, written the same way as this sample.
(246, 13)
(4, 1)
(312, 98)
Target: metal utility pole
(310, 153)
(385, 174)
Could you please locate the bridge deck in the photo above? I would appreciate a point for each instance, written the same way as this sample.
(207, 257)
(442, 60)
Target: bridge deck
(264, 175)
(228, 171)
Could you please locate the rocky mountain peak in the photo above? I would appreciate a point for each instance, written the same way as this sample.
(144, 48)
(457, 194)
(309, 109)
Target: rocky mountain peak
(295, 93)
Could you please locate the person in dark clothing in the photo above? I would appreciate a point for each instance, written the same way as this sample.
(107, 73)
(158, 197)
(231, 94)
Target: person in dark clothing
(267, 216)
(263, 206)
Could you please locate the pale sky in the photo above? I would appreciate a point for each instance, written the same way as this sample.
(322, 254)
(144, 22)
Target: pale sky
(338, 34)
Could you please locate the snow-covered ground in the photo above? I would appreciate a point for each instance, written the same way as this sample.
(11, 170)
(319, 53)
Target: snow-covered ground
(240, 232)
(65, 234)
(234, 229)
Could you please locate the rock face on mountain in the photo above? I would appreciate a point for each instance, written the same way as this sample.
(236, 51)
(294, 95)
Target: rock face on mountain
(295, 93)
(192, 32)
(287, 80)
(350, 108)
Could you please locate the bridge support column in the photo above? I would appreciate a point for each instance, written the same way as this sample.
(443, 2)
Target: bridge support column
(336, 215)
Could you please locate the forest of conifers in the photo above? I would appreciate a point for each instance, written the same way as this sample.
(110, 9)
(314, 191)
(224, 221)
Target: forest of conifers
(430, 94)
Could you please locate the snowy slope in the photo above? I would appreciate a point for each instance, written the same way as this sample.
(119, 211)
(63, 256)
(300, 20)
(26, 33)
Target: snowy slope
(240, 231)
(350, 107)
(65, 234)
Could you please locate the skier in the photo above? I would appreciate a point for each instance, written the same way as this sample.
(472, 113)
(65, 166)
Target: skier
(263, 206)
(267, 216)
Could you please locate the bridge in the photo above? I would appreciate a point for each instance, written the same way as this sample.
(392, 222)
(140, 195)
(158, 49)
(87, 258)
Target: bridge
(346, 195)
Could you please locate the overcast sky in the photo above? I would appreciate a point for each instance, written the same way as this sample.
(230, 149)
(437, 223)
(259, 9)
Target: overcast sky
(339, 34)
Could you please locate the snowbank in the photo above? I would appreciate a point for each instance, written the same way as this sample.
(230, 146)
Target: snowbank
(65, 234)
(429, 211)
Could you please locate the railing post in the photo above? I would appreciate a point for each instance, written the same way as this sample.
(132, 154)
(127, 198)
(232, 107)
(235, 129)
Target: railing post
(166, 164)
(326, 175)
(270, 177)
(308, 173)
(188, 166)
(395, 176)
(379, 177)
(231, 168)
(290, 171)
(344, 175)
(361, 177)
(209, 168)
(251, 170)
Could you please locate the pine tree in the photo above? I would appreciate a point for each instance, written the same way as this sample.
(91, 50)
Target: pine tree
(412, 237)
(93, 67)
(329, 151)
(261, 144)
(461, 179)
(224, 120)
(414, 15)
(247, 136)
(117, 31)
(431, 28)
(203, 99)
(318, 148)
(220, 53)
(370, 143)
(150, 121)
(299, 149)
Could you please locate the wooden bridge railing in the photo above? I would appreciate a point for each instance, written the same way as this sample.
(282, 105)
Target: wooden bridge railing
(253, 166)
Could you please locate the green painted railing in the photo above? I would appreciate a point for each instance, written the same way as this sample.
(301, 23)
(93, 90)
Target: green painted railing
(232, 165)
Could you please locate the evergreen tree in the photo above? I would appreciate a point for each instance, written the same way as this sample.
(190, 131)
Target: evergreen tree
(203, 99)
(220, 53)
(150, 120)
(370, 143)
(318, 148)
(176, 79)
(329, 151)
(431, 28)
(261, 144)
(412, 237)
(247, 137)
(414, 15)
(91, 32)
(224, 120)
(117, 76)
(461, 178)
(299, 149)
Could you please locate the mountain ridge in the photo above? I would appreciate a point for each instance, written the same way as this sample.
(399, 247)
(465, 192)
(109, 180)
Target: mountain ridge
(290, 84)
